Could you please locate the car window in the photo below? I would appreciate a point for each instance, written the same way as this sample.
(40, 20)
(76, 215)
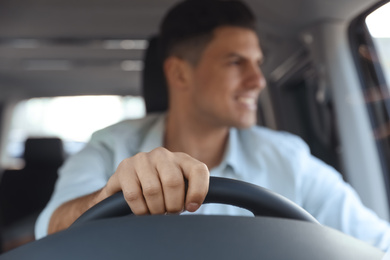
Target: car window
(378, 26)
(73, 119)
(369, 39)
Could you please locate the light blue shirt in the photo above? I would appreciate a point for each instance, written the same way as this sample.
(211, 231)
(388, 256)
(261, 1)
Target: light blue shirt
(275, 160)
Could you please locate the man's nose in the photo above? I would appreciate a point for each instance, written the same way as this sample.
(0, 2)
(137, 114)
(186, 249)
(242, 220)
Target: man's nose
(256, 77)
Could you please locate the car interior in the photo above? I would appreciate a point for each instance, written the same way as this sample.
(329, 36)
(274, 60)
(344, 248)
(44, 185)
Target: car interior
(326, 71)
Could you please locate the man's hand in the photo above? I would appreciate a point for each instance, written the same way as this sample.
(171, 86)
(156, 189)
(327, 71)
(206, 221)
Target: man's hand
(153, 182)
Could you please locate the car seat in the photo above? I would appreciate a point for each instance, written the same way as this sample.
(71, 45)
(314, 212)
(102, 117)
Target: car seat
(155, 91)
(25, 192)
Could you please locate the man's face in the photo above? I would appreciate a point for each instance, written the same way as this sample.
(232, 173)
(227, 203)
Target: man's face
(227, 80)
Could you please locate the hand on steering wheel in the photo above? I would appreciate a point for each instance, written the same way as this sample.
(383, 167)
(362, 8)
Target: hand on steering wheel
(258, 200)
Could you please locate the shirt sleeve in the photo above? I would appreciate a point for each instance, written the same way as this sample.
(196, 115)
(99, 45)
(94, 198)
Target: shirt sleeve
(335, 203)
(82, 174)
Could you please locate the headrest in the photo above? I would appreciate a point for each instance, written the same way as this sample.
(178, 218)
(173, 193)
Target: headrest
(44, 152)
(154, 88)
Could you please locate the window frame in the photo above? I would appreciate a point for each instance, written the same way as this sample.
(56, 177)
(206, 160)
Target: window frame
(373, 84)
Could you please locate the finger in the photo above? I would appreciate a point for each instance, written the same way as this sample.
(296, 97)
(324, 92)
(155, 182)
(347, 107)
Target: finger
(198, 177)
(134, 197)
(150, 184)
(172, 181)
(131, 187)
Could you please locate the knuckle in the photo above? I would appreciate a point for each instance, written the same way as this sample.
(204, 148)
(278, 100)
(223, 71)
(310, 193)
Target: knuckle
(173, 181)
(201, 168)
(131, 196)
(160, 154)
(183, 156)
(159, 151)
(123, 163)
(151, 190)
(139, 156)
(131, 162)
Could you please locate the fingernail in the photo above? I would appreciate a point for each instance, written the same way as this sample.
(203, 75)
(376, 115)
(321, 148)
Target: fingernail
(191, 207)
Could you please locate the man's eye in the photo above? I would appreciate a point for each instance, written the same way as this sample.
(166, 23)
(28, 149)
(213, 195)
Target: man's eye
(235, 62)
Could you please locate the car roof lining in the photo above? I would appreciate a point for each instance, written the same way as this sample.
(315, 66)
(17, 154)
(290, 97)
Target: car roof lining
(94, 20)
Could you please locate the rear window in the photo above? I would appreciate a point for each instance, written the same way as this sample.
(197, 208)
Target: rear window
(73, 119)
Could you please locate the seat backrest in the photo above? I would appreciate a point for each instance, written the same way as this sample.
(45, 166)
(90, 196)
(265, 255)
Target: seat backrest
(26, 191)
(41, 153)
(154, 85)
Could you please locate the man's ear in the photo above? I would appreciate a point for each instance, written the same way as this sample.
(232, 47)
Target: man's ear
(177, 72)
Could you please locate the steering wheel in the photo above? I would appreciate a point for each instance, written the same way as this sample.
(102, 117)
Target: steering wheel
(258, 200)
(200, 237)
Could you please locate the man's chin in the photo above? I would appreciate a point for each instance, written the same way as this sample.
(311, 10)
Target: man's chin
(245, 124)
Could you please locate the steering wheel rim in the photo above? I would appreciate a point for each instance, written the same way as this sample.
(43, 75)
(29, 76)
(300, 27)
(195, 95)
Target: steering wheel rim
(260, 201)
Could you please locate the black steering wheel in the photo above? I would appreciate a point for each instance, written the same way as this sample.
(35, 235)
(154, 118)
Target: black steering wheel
(258, 200)
(200, 237)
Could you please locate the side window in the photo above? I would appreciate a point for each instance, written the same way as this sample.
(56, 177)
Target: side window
(378, 25)
(370, 44)
(73, 119)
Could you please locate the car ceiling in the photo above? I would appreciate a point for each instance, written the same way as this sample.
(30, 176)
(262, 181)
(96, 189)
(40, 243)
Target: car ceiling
(73, 47)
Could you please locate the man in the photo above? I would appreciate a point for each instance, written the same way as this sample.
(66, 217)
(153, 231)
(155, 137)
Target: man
(211, 63)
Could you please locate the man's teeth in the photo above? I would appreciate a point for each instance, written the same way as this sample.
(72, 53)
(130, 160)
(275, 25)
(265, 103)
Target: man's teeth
(247, 101)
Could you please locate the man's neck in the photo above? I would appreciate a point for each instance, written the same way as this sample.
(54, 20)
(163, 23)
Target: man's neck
(204, 143)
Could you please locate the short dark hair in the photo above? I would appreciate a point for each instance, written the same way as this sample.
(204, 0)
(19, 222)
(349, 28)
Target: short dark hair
(188, 27)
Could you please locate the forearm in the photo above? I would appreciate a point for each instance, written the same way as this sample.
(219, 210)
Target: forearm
(68, 212)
